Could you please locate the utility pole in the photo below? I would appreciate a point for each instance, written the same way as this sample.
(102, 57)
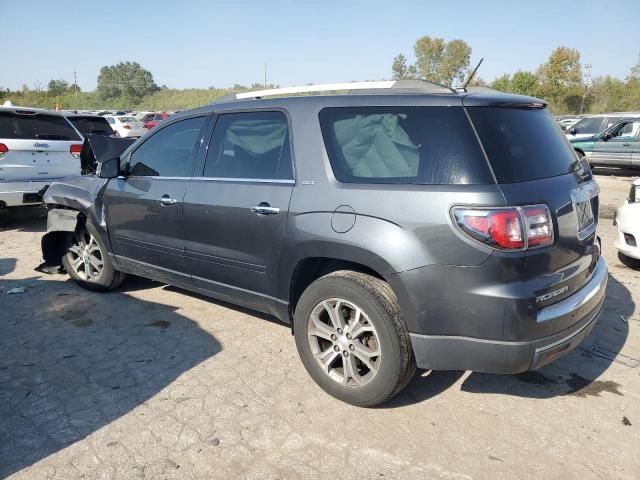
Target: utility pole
(587, 84)
(265, 75)
(75, 83)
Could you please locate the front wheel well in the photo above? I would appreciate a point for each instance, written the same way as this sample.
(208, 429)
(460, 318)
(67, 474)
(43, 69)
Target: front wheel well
(53, 243)
(309, 270)
(579, 152)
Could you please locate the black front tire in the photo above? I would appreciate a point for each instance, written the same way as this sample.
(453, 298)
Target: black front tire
(85, 252)
(375, 297)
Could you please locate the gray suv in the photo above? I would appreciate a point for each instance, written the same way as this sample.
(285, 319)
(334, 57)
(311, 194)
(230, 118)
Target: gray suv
(399, 225)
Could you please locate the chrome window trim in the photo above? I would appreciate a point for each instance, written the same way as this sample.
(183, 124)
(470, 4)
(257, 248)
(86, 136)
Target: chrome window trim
(216, 179)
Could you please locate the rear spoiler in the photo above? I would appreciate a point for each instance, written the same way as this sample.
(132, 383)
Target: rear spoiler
(99, 148)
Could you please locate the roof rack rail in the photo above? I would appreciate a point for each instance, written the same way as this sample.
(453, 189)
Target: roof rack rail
(397, 86)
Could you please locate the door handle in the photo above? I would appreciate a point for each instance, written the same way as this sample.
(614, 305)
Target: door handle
(166, 200)
(265, 209)
(626, 144)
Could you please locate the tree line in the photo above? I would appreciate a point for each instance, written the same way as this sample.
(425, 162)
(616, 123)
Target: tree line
(560, 81)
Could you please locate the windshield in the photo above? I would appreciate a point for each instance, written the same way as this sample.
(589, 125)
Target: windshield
(522, 144)
(16, 126)
(590, 125)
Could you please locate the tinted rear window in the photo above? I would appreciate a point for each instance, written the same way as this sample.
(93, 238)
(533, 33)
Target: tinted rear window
(407, 145)
(39, 126)
(87, 125)
(522, 144)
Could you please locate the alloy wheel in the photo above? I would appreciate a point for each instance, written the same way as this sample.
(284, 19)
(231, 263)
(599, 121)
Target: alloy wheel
(85, 256)
(344, 342)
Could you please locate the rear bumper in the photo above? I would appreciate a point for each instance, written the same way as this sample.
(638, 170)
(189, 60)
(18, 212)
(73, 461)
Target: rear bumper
(628, 222)
(440, 352)
(21, 193)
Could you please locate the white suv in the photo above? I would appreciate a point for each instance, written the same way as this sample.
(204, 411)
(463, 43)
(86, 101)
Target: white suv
(36, 147)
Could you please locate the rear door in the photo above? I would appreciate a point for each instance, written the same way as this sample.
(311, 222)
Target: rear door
(144, 208)
(617, 147)
(235, 214)
(38, 146)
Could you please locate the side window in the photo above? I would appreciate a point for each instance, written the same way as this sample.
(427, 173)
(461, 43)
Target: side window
(167, 153)
(250, 145)
(410, 145)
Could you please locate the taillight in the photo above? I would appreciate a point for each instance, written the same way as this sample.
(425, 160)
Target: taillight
(126, 126)
(516, 228)
(3, 149)
(75, 149)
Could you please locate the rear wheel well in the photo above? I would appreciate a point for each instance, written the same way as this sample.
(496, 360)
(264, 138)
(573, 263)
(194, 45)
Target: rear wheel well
(309, 270)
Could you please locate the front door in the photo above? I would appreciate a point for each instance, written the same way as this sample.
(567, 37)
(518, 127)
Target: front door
(235, 215)
(144, 208)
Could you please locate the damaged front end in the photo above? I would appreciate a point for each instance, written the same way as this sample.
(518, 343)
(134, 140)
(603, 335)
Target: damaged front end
(74, 200)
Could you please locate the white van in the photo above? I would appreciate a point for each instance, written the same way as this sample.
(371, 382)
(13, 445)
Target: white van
(36, 147)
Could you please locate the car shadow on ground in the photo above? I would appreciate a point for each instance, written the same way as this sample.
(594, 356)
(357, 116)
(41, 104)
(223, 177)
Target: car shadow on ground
(576, 373)
(23, 219)
(7, 265)
(72, 362)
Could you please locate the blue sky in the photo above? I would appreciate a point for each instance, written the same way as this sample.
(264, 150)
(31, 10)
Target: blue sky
(218, 43)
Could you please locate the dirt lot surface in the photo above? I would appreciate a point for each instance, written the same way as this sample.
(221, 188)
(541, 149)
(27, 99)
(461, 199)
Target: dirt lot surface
(153, 382)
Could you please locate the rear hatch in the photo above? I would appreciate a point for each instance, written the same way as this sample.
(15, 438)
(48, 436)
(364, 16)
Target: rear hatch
(534, 164)
(37, 146)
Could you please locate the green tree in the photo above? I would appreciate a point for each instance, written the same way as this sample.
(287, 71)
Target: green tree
(455, 62)
(635, 71)
(58, 87)
(127, 81)
(436, 60)
(560, 80)
(401, 71)
(502, 83)
(524, 83)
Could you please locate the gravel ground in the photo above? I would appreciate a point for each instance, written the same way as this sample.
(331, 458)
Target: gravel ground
(154, 382)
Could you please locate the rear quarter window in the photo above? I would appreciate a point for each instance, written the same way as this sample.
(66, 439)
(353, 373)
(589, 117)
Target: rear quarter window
(403, 145)
(16, 126)
(522, 144)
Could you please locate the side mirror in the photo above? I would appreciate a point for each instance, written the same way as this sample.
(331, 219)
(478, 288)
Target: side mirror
(572, 131)
(606, 137)
(109, 168)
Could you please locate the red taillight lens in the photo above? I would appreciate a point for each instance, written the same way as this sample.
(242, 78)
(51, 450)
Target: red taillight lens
(3, 149)
(75, 149)
(507, 228)
(126, 126)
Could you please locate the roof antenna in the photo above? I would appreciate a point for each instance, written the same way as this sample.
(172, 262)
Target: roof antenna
(464, 86)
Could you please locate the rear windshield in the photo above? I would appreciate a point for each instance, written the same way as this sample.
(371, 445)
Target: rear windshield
(127, 119)
(407, 145)
(87, 125)
(14, 126)
(522, 144)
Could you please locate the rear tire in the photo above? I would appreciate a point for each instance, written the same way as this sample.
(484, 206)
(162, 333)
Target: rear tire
(87, 261)
(352, 338)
